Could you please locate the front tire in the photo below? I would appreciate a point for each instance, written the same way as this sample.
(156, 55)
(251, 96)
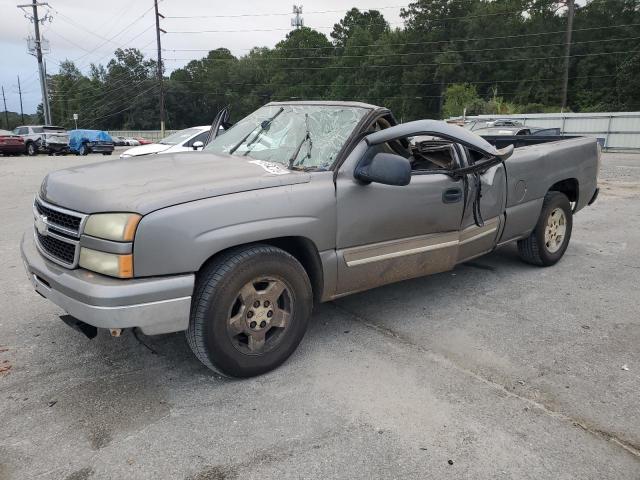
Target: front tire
(550, 238)
(250, 310)
(83, 150)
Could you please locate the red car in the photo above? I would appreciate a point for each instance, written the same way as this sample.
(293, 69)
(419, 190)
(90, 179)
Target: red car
(144, 141)
(11, 144)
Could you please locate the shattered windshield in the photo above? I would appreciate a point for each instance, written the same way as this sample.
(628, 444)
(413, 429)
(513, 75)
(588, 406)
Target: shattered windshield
(299, 136)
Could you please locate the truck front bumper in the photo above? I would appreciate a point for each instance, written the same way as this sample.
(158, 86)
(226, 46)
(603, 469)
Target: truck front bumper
(156, 305)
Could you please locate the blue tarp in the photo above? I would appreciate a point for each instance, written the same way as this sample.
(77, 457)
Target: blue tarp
(78, 137)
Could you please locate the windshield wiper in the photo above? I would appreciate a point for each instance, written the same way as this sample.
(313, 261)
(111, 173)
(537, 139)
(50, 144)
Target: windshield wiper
(264, 125)
(307, 138)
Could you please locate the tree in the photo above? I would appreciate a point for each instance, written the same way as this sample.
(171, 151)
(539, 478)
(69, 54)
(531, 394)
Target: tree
(371, 20)
(508, 52)
(300, 65)
(459, 97)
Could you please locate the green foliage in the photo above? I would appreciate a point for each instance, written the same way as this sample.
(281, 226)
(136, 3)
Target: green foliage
(490, 56)
(371, 20)
(459, 97)
(15, 120)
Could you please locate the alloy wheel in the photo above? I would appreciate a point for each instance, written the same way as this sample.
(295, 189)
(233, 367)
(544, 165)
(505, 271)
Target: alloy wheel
(260, 315)
(555, 230)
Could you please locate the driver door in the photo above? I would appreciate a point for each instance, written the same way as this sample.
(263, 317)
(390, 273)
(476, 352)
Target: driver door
(391, 233)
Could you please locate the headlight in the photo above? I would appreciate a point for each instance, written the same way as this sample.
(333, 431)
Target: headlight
(120, 227)
(120, 266)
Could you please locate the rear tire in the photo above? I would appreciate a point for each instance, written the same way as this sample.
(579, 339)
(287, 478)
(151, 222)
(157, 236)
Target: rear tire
(83, 150)
(550, 238)
(241, 325)
(31, 149)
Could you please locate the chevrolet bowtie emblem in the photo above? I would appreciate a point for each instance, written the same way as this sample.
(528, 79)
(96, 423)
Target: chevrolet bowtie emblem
(41, 225)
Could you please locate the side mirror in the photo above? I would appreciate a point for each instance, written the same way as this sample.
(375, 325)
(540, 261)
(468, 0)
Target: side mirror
(385, 168)
(197, 145)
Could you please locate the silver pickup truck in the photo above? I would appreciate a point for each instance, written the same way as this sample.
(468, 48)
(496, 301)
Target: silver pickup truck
(298, 203)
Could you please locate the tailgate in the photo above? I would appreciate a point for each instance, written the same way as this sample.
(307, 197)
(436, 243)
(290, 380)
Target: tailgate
(57, 138)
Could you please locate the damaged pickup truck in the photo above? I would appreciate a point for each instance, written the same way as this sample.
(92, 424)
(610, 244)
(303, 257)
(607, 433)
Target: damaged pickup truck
(298, 203)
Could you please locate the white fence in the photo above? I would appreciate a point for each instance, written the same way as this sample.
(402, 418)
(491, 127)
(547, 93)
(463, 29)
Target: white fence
(154, 135)
(619, 130)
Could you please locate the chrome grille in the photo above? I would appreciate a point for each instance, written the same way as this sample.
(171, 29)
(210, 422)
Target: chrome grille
(57, 217)
(57, 232)
(59, 249)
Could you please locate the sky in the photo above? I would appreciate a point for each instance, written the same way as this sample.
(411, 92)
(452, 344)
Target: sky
(89, 31)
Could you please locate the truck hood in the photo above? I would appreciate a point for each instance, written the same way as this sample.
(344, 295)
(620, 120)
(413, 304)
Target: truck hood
(146, 149)
(147, 183)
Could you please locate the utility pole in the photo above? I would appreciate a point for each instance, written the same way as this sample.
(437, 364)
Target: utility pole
(567, 51)
(20, 93)
(158, 30)
(38, 49)
(6, 115)
(298, 21)
(46, 85)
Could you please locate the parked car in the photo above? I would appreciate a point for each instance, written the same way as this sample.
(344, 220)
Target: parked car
(299, 202)
(182, 141)
(43, 138)
(83, 142)
(119, 141)
(11, 144)
(508, 127)
(144, 141)
(131, 142)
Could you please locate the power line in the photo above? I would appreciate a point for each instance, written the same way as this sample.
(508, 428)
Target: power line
(91, 121)
(105, 39)
(100, 59)
(417, 84)
(431, 42)
(383, 55)
(105, 103)
(471, 62)
(271, 14)
(208, 93)
(267, 14)
(103, 92)
(107, 106)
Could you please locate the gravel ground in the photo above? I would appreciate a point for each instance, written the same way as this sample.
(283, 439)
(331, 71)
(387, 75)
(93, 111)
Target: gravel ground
(497, 370)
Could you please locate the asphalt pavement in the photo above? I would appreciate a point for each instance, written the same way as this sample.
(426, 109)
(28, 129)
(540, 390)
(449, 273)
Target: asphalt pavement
(497, 370)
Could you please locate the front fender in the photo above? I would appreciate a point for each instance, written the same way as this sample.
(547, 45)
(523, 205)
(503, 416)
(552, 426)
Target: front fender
(179, 239)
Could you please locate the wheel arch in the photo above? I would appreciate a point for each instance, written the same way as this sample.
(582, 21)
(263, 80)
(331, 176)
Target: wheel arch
(301, 248)
(569, 186)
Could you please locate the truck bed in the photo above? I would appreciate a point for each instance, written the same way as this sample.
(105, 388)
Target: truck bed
(518, 141)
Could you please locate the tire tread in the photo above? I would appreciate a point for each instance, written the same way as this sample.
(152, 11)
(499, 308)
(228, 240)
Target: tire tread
(207, 282)
(529, 248)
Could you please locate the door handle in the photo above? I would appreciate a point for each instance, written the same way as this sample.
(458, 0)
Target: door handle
(452, 195)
